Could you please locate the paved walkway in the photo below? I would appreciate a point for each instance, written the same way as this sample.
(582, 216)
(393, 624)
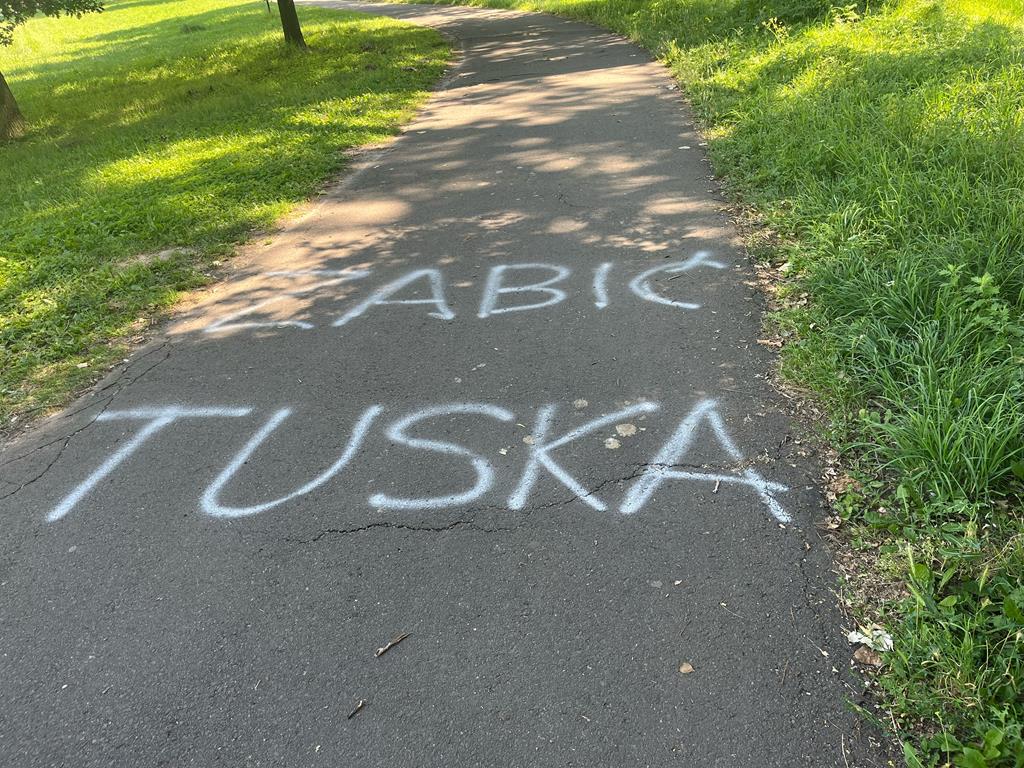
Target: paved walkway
(501, 390)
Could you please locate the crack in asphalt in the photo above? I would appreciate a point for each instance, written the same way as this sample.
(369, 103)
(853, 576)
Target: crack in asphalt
(398, 526)
(524, 515)
(65, 440)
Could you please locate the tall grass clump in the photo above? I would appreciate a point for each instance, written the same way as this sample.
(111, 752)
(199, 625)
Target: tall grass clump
(884, 143)
(888, 150)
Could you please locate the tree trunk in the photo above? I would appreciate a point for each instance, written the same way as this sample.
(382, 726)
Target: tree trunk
(12, 124)
(290, 23)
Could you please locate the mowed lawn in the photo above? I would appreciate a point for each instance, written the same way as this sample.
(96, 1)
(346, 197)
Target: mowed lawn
(161, 133)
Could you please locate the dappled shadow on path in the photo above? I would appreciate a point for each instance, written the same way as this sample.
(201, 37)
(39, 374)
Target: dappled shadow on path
(538, 149)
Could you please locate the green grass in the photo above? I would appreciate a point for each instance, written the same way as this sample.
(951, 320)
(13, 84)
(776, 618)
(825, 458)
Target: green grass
(162, 125)
(884, 145)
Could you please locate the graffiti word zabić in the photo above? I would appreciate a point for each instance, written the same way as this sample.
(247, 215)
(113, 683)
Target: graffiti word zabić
(507, 289)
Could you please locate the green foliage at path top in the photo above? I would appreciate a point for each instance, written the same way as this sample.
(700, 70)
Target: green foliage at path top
(161, 125)
(884, 142)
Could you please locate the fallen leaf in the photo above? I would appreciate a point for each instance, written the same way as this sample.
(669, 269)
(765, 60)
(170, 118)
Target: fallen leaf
(685, 668)
(868, 657)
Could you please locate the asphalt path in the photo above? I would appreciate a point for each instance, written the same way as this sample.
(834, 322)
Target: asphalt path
(498, 393)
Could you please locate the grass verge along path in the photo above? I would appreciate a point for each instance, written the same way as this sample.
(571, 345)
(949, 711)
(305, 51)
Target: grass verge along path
(160, 135)
(883, 143)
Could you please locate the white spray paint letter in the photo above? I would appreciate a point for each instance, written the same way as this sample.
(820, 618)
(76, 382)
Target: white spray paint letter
(540, 453)
(234, 322)
(601, 285)
(157, 418)
(482, 467)
(381, 296)
(660, 468)
(641, 284)
(214, 508)
(495, 288)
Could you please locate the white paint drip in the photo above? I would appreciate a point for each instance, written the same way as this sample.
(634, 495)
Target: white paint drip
(494, 288)
(601, 285)
(481, 466)
(158, 418)
(540, 453)
(212, 507)
(660, 468)
(641, 285)
(380, 296)
(336, 276)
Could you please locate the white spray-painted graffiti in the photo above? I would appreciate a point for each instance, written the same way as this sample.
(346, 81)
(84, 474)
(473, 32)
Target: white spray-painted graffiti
(601, 285)
(641, 284)
(540, 454)
(661, 469)
(234, 321)
(481, 466)
(215, 509)
(157, 419)
(666, 465)
(502, 292)
(495, 287)
(380, 296)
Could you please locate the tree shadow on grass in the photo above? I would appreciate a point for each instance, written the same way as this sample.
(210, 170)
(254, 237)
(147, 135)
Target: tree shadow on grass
(138, 45)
